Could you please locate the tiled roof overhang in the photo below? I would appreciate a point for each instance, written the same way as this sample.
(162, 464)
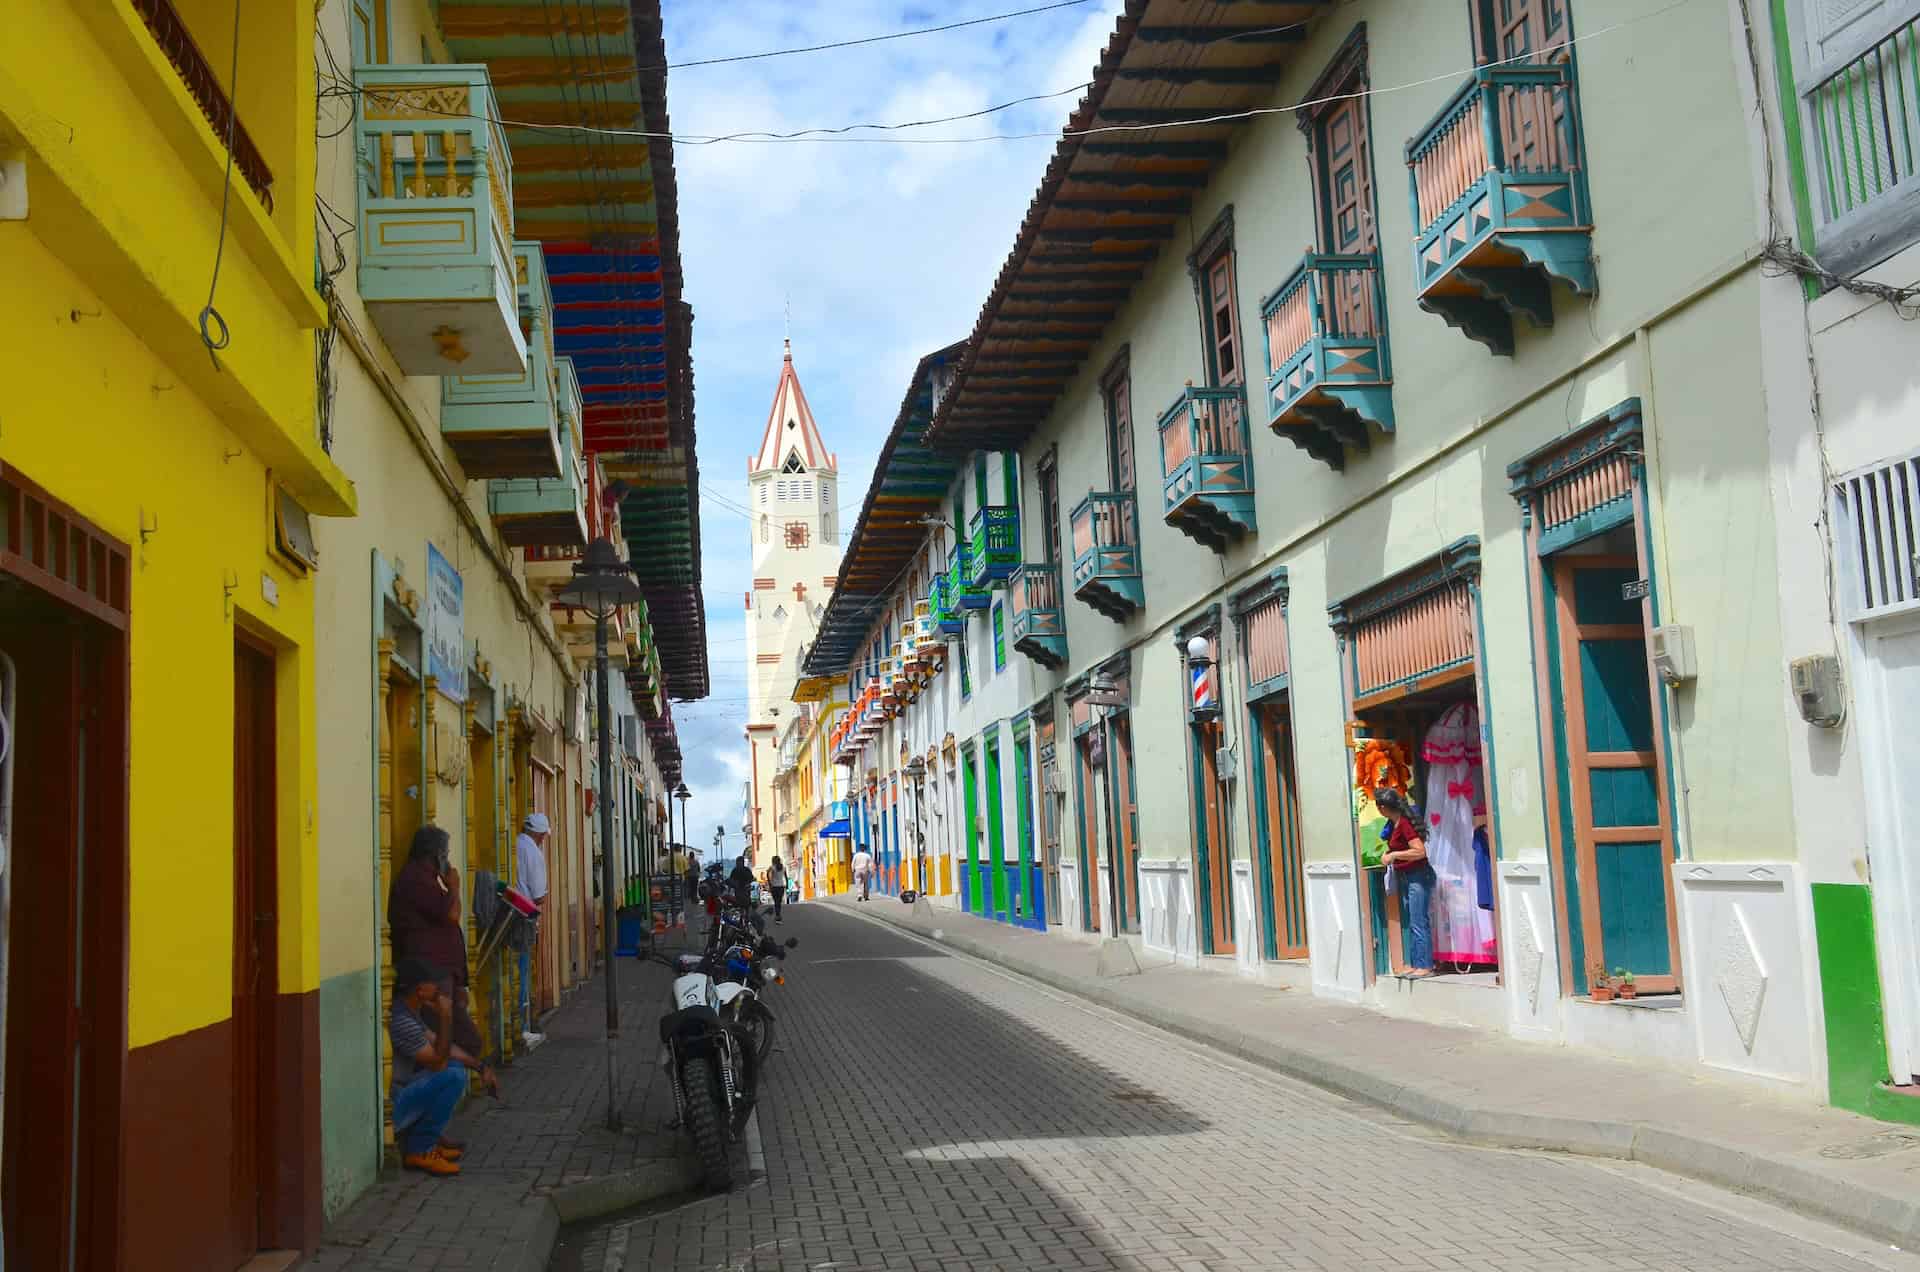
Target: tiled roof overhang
(1110, 201)
(605, 209)
(910, 483)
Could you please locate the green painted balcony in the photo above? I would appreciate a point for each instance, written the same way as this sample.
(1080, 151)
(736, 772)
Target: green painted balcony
(945, 604)
(1106, 553)
(993, 550)
(1039, 622)
(511, 425)
(435, 181)
(966, 594)
(1500, 203)
(1205, 465)
(543, 511)
(1328, 374)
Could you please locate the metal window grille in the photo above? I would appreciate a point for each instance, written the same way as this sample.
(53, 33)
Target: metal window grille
(1875, 523)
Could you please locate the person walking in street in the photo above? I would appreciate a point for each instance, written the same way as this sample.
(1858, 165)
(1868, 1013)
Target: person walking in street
(777, 885)
(429, 1070)
(741, 881)
(1413, 876)
(530, 852)
(863, 872)
(424, 920)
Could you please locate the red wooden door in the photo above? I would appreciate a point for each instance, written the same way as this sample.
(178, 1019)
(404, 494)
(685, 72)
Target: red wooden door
(255, 947)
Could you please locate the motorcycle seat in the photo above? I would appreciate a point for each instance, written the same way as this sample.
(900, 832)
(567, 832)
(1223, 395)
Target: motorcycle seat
(686, 962)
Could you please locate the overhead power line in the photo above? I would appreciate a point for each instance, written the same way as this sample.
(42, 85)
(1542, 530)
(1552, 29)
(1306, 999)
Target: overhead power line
(869, 39)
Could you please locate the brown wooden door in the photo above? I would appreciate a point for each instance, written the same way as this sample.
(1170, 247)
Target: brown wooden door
(1120, 432)
(255, 947)
(1524, 31)
(1213, 834)
(1286, 863)
(1347, 179)
(1093, 824)
(1223, 322)
(1126, 824)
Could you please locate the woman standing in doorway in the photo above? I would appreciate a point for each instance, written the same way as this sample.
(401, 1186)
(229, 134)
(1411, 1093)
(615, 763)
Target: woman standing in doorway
(777, 885)
(1413, 876)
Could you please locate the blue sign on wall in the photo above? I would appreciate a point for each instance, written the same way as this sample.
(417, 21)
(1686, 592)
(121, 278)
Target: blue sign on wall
(446, 627)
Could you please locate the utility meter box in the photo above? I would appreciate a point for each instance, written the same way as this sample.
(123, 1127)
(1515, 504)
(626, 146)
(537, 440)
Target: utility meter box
(1671, 646)
(1818, 691)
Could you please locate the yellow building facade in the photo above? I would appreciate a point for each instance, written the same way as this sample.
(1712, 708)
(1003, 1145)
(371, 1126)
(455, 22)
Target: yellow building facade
(157, 631)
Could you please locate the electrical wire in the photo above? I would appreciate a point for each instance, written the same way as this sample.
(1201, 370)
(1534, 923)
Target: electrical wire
(870, 39)
(209, 316)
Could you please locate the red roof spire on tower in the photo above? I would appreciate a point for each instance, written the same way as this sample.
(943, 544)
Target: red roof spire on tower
(791, 432)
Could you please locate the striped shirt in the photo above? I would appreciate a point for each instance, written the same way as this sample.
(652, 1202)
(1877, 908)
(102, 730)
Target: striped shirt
(409, 1034)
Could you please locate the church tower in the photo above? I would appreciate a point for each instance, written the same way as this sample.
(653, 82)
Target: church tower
(792, 490)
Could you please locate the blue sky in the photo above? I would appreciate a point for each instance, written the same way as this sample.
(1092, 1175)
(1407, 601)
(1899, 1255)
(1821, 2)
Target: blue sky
(885, 252)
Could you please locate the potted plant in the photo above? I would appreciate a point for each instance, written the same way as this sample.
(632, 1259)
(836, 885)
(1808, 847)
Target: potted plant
(1625, 981)
(1600, 987)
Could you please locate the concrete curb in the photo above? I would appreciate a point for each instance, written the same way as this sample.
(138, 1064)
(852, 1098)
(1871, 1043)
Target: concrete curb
(531, 1246)
(1851, 1204)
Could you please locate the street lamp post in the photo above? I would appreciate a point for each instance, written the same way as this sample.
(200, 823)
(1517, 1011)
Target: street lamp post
(682, 794)
(917, 770)
(602, 583)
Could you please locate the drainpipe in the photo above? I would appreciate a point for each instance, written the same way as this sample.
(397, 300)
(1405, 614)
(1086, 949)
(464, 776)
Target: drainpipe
(7, 683)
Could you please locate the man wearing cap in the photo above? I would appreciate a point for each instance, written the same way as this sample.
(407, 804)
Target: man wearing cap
(529, 849)
(429, 1071)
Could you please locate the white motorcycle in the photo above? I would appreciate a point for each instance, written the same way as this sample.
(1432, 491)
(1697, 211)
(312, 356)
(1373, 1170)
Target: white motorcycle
(710, 1062)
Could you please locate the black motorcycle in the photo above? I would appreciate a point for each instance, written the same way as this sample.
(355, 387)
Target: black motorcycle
(711, 1062)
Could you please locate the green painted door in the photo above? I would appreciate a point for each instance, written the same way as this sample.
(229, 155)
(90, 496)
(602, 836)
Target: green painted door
(1613, 792)
(1024, 877)
(996, 833)
(970, 790)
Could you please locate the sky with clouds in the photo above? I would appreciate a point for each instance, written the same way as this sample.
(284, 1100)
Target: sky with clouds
(883, 251)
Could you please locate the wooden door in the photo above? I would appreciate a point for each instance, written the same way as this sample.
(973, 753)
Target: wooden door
(255, 946)
(1090, 781)
(975, 893)
(1523, 31)
(1120, 432)
(996, 835)
(1026, 897)
(1223, 322)
(1050, 513)
(1278, 812)
(1622, 838)
(1889, 692)
(1125, 829)
(1346, 172)
(1215, 862)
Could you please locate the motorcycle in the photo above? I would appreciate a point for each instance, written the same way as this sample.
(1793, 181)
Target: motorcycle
(712, 1064)
(749, 970)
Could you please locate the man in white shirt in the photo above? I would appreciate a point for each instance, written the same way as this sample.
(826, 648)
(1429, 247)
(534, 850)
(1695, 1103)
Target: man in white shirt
(529, 851)
(863, 872)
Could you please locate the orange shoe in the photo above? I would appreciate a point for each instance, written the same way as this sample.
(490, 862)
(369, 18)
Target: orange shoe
(434, 1161)
(451, 1152)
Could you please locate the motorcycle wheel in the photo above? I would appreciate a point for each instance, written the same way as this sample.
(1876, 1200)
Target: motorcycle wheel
(756, 1022)
(705, 1123)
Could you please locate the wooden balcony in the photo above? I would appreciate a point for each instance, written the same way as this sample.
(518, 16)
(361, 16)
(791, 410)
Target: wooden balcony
(509, 425)
(435, 180)
(545, 511)
(993, 550)
(1039, 622)
(549, 569)
(1206, 466)
(930, 643)
(966, 594)
(1499, 190)
(1328, 374)
(942, 600)
(1106, 553)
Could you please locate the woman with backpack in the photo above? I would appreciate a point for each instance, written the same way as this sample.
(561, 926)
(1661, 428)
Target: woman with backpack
(777, 885)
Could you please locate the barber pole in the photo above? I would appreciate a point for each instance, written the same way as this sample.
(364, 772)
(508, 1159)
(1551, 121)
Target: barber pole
(1202, 674)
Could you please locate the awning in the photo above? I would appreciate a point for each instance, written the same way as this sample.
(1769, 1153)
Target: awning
(842, 829)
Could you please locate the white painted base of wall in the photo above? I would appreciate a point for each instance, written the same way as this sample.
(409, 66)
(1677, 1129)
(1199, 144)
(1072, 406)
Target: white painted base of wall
(1335, 942)
(1473, 1000)
(1747, 949)
(1167, 909)
(1291, 973)
(1070, 919)
(1529, 951)
(1655, 1029)
(1246, 919)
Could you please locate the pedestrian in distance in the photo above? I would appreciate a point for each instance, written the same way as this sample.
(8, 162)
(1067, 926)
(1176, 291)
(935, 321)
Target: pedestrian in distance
(741, 882)
(863, 872)
(1413, 878)
(530, 852)
(777, 885)
(429, 1070)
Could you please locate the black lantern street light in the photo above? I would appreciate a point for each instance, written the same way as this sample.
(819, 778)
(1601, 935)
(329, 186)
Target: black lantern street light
(917, 770)
(602, 583)
(682, 794)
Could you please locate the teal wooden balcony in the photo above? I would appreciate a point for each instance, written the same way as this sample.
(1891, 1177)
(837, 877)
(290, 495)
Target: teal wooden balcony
(1039, 622)
(966, 594)
(509, 425)
(1328, 374)
(1206, 466)
(543, 511)
(993, 550)
(1500, 202)
(945, 607)
(435, 181)
(1106, 553)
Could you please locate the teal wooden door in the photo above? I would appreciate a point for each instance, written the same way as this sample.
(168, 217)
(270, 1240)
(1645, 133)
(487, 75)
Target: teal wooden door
(1613, 785)
(996, 834)
(1025, 894)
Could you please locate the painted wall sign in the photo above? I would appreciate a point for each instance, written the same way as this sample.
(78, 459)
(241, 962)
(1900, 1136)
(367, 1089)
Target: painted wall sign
(446, 630)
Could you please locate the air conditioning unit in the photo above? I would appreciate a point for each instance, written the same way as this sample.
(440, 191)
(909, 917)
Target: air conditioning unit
(1670, 646)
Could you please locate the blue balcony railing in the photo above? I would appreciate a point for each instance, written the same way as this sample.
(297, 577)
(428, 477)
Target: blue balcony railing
(1105, 527)
(1206, 466)
(1328, 374)
(1039, 622)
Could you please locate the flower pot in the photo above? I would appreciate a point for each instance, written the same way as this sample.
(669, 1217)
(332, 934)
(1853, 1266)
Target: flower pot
(1627, 993)
(1603, 993)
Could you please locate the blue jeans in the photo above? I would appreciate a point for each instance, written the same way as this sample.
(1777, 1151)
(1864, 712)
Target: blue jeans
(526, 989)
(423, 1107)
(1416, 885)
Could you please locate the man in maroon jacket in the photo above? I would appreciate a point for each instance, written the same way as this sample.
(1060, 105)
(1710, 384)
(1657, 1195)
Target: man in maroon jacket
(423, 917)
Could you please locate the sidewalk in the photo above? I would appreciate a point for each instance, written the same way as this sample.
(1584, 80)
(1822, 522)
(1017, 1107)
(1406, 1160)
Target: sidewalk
(1485, 1087)
(541, 1158)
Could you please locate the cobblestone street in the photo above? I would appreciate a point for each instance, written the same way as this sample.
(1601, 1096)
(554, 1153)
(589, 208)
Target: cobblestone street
(925, 1111)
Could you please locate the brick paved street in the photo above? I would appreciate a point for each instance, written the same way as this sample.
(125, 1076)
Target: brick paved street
(927, 1112)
